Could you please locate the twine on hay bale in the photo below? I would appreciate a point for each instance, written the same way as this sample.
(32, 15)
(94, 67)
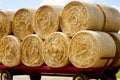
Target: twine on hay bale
(112, 18)
(116, 60)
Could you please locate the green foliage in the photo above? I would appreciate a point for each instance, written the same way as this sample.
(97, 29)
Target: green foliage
(118, 74)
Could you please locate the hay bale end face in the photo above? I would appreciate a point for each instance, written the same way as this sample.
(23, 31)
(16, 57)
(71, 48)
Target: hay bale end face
(32, 51)
(5, 26)
(88, 47)
(10, 50)
(23, 23)
(78, 16)
(47, 20)
(55, 50)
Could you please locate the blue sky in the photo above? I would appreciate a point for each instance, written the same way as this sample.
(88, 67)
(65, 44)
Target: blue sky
(16, 4)
(109, 2)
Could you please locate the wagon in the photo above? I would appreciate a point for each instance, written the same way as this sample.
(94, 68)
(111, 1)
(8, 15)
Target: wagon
(101, 73)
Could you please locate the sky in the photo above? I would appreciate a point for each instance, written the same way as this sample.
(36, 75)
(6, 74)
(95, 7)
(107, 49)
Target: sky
(17, 4)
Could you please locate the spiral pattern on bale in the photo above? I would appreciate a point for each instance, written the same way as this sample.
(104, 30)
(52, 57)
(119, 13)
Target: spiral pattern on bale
(47, 20)
(88, 47)
(78, 16)
(10, 50)
(32, 51)
(55, 50)
(23, 23)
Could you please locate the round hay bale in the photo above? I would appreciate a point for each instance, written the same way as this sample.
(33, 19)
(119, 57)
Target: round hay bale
(116, 61)
(112, 18)
(47, 20)
(23, 23)
(10, 51)
(88, 47)
(78, 16)
(32, 51)
(55, 50)
(5, 23)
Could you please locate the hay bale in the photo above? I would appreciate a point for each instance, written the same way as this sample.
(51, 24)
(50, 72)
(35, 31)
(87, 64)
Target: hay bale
(88, 47)
(78, 16)
(9, 14)
(10, 51)
(116, 61)
(47, 20)
(112, 18)
(23, 23)
(32, 51)
(5, 23)
(55, 50)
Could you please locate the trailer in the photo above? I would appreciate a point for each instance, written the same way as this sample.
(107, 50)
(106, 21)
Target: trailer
(101, 73)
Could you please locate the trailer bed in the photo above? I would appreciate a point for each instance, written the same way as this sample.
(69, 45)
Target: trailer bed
(64, 71)
(36, 72)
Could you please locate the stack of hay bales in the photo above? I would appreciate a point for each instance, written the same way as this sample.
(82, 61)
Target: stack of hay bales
(7, 42)
(87, 47)
(21, 25)
(78, 33)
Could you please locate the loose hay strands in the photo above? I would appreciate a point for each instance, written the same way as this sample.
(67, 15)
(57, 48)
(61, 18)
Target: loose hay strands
(5, 23)
(47, 20)
(55, 50)
(112, 18)
(88, 47)
(116, 61)
(32, 51)
(78, 16)
(23, 23)
(10, 51)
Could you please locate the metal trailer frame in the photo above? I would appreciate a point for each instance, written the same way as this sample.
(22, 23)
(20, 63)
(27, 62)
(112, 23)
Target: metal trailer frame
(103, 73)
